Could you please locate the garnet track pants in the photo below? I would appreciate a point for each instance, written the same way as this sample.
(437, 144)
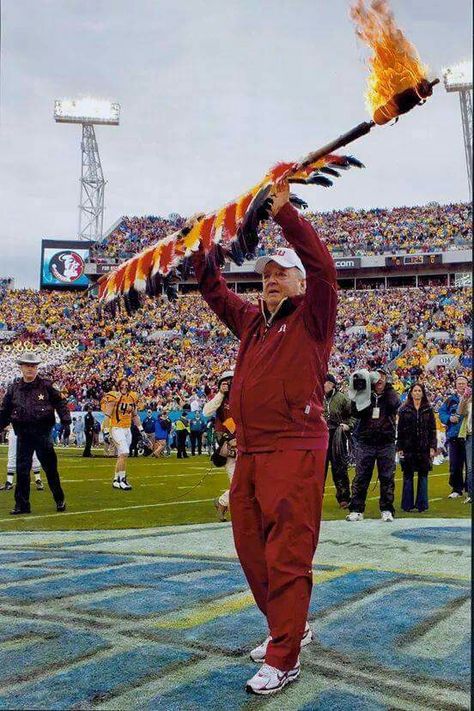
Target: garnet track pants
(276, 501)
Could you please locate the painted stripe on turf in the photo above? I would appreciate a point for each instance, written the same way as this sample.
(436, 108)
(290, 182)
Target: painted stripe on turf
(116, 508)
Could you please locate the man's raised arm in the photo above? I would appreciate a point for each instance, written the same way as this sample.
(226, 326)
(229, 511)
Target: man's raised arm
(230, 308)
(321, 283)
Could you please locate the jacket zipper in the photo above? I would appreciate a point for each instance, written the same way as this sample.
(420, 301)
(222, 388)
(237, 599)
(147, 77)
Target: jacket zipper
(268, 324)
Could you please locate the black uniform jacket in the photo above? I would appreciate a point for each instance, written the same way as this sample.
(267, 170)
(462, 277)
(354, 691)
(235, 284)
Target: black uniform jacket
(30, 406)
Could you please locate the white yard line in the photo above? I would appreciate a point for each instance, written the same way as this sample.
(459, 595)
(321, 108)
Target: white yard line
(117, 508)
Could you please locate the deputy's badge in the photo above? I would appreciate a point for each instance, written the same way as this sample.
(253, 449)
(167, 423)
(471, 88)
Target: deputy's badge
(41, 397)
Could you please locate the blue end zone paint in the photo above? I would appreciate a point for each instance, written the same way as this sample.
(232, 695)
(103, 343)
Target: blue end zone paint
(86, 560)
(333, 593)
(70, 558)
(374, 620)
(379, 629)
(242, 630)
(58, 646)
(171, 595)
(459, 536)
(235, 634)
(218, 690)
(94, 680)
(13, 575)
(136, 575)
(343, 701)
(23, 556)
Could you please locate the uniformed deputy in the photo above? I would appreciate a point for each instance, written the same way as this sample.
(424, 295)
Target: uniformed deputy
(29, 404)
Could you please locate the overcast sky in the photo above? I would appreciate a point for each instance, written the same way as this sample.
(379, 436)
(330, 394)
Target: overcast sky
(212, 93)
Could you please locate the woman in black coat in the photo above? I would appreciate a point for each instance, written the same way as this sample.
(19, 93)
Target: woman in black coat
(416, 446)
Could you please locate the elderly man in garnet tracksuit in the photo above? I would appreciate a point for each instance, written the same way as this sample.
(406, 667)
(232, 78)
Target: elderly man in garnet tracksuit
(277, 404)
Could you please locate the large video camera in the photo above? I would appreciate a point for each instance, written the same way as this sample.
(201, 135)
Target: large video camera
(224, 447)
(360, 387)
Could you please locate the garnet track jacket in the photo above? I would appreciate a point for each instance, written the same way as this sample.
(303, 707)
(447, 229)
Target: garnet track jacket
(277, 390)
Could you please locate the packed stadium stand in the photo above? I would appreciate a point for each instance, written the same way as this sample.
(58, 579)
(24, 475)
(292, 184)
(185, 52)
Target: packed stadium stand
(348, 232)
(172, 350)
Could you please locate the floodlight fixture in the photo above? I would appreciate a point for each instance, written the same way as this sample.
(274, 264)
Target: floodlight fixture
(458, 78)
(87, 110)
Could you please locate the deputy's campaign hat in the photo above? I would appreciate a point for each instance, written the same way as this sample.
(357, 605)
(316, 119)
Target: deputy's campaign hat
(284, 257)
(28, 359)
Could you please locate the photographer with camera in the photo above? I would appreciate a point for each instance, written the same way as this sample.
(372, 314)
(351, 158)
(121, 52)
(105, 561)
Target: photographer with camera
(374, 405)
(225, 453)
(337, 412)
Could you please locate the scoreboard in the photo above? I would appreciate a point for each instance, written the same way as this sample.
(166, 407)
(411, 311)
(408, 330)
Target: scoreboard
(413, 260)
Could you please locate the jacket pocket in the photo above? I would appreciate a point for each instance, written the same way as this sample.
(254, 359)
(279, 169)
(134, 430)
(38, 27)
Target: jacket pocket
(264, 406)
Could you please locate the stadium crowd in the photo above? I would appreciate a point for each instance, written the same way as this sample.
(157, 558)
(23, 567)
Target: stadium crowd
(172, 352)
(428, 228)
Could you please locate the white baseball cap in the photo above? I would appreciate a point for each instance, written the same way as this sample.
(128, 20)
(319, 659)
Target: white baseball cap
(226, 375)
(284, 257)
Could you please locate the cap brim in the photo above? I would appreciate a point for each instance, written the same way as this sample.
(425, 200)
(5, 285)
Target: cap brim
(261, 263)
(28, 362)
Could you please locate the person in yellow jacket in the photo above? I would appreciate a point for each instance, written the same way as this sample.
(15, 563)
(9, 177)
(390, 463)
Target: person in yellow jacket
(121, 409)
(182, 431)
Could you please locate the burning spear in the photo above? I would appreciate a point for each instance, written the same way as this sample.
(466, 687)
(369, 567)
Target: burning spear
(397, 83)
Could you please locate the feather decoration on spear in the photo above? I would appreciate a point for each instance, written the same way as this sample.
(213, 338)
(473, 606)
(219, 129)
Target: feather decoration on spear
(397, 83)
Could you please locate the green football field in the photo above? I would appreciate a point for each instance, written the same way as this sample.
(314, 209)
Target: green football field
(168, 492)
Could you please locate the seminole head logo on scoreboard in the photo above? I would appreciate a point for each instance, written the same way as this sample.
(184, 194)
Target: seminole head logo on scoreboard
(67, 266)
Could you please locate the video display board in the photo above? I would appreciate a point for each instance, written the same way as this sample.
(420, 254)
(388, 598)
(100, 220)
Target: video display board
(63, 264)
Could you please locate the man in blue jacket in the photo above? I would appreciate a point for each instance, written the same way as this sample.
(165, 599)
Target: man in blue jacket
(197, 425)
(448, 414)
(148, 424)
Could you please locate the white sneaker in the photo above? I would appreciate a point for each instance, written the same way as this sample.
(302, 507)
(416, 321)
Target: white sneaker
(124, 484)
(387, 516)
(467, 500)
(258, 654)
(454, 495)
(269, 680)
(116, 484)
(355, 516)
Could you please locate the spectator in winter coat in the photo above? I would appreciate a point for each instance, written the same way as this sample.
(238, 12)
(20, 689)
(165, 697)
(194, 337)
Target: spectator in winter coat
(449, 416)
(416, 446)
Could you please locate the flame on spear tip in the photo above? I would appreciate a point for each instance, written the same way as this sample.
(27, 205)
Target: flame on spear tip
(398, 78)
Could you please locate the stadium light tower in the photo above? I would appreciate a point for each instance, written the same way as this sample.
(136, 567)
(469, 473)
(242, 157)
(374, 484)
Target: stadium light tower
(459, 78)
(87, 112)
